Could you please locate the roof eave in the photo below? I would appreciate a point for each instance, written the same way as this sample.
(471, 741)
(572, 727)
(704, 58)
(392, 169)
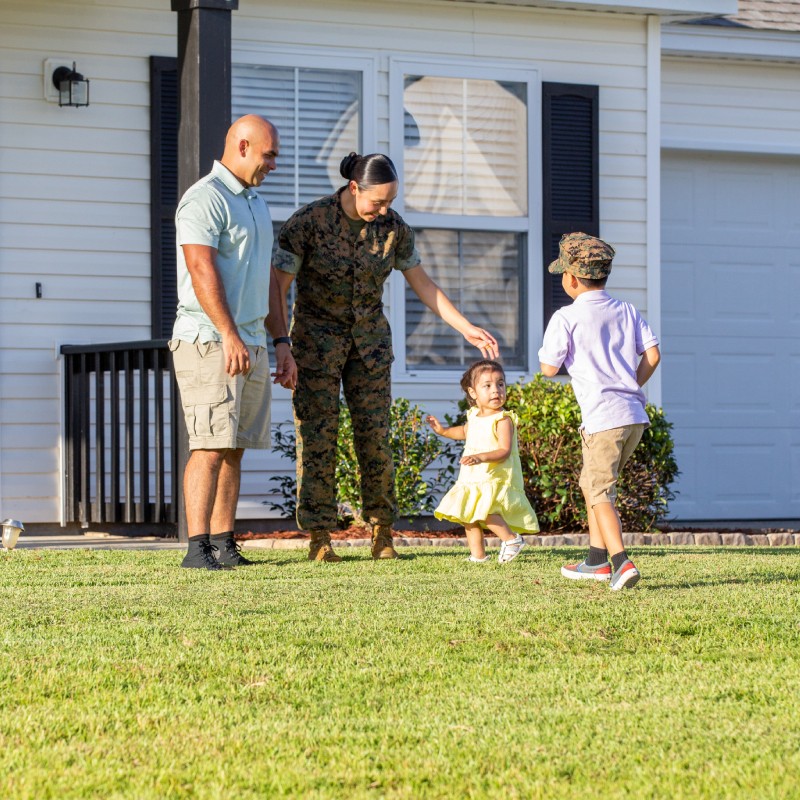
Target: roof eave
(725, 42)
(677, 9)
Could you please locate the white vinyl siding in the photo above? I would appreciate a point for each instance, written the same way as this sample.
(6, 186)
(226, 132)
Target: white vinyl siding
(730, 106)
(74, 216)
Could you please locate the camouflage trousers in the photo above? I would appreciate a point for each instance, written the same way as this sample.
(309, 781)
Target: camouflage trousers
(316, 410)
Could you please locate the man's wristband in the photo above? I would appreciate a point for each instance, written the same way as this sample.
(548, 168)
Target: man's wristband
(282, 340)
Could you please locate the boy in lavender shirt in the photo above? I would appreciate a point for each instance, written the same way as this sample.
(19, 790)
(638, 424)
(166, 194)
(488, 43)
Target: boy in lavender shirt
(610, 352)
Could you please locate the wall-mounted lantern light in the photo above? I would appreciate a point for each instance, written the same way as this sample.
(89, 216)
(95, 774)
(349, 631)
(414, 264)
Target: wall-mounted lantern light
(73, 88)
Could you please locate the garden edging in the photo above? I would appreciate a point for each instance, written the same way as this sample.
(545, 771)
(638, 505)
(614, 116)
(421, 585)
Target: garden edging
(704, 539)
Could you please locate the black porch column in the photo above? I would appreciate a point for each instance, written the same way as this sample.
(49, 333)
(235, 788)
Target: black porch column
(204, 78)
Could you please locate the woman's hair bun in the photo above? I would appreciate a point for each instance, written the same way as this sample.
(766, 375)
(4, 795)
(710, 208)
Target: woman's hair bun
(348, 165)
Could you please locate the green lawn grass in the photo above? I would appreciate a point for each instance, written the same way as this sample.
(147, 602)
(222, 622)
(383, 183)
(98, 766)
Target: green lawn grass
(122, 675)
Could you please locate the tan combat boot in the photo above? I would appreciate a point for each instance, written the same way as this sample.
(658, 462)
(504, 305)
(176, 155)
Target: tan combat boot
(320, 548)
(382, 546)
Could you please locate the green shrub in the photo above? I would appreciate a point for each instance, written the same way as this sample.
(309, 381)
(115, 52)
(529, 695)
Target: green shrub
(415, 448)
(550, 450)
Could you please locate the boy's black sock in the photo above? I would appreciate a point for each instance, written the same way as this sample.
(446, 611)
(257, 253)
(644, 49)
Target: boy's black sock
(220, 538)
(597, 556)
(619, 559)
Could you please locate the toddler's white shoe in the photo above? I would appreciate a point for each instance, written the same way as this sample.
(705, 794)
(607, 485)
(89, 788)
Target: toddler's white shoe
(478, 560)
(511, 549)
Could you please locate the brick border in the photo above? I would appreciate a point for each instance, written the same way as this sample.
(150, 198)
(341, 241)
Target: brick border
(704, 539)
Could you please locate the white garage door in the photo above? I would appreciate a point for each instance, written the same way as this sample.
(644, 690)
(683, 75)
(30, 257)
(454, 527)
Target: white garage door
(731, 333)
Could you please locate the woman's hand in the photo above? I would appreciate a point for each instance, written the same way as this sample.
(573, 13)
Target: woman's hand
(285, 368)
(483, 340)
(471, 461)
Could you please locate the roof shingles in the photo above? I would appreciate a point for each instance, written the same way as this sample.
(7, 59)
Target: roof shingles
(776, 15)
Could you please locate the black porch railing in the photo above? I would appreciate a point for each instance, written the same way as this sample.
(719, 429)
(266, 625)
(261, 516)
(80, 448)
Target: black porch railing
(121, 406)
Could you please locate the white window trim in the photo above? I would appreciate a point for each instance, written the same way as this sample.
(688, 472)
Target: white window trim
(480, 70)
(320, 59)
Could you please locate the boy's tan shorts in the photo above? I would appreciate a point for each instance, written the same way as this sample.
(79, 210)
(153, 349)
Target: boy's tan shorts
(222, 412)
(604, 454)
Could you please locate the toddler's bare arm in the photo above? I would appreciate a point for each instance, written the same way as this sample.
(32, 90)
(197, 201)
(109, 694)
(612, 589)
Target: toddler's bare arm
(455, 432)
(505, 434)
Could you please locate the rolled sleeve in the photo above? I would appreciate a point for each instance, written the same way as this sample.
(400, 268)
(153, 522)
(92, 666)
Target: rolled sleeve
(645, 338)
(286, 261)
(555, 345)
(292, 243)
(406, 254)
(413, 260)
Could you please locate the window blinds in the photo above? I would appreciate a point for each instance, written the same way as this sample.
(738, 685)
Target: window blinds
(317, 113)
(465, 147)
(482, 273)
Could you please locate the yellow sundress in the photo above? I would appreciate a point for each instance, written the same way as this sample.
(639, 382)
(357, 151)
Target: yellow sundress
(489, 488)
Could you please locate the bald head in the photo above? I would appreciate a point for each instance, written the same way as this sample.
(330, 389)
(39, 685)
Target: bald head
(251, 149)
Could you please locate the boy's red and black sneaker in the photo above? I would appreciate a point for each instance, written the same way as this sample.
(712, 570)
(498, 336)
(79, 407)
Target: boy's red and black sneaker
(584, 572)
(626, 576)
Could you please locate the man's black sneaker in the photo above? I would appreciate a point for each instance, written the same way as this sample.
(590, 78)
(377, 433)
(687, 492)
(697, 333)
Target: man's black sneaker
(230, 555)
(201, 557)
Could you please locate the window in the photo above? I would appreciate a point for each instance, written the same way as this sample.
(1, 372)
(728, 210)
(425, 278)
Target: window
(317, 112)
(464, 142)
(483, 273)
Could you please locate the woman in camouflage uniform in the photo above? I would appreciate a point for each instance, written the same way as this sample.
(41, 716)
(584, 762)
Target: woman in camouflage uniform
(341, 249)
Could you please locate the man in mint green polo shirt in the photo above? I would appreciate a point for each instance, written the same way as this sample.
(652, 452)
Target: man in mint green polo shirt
(224, 247)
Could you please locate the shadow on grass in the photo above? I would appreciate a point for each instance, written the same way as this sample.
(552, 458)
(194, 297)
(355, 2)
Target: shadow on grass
(565, 553)
(728, 550)
(761, 581)
(345, 556)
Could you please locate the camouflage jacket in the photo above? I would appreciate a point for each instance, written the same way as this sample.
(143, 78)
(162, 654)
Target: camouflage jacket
(340, 278)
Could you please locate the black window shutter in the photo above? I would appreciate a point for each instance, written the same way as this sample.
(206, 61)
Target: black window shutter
(163, 192)
(570, 174)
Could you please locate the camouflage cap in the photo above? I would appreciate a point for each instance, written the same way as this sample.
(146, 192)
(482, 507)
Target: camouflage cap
(583, 256)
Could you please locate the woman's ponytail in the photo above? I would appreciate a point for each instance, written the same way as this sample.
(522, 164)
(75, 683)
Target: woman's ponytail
(348, 166)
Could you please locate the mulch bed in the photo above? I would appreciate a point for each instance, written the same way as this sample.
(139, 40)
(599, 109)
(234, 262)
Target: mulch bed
(353, 532)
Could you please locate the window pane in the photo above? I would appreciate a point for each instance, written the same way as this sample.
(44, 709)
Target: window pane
(270, 91)
(318, 115)
(483, 274)
(465, 149)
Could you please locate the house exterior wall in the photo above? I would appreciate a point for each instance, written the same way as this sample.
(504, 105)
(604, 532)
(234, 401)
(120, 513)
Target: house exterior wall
(75, 216)
(727, 105)
(607, 49)
(74, 199)
(731, 166)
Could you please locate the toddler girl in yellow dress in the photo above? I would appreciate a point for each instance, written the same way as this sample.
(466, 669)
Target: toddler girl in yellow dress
(489, 492)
